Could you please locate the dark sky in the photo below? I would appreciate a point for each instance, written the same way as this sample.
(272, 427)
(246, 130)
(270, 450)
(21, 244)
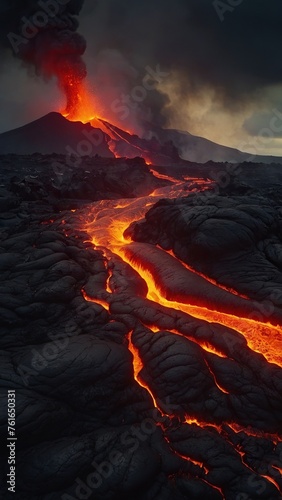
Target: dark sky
(219, 65)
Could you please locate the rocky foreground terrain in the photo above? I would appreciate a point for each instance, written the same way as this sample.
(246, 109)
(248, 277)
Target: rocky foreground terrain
(123, 390)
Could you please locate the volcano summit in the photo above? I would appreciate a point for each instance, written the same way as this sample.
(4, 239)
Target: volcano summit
(54, 133)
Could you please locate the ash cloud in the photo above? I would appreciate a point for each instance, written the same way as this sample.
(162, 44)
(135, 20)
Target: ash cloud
(236, 57)
(43, 35)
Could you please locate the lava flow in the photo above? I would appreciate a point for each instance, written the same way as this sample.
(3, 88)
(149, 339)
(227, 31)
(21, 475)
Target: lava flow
(106, 225)
(108, 222)
(81, 106)
(190, 292)
(177, 287)
(80, 101)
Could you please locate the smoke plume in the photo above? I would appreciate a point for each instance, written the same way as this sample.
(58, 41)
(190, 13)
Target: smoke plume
(229, 47)
(43, 35)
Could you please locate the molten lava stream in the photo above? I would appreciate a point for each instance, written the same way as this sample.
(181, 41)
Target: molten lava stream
(81, 105)
(257, 334)
(137, 367)
(107, 222)
(98, 301)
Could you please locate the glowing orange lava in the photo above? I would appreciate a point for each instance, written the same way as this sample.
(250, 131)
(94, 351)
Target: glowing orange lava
(81, 106)
(107, 223)
(95, 300)
(256, 333)
(207, 278)
(254, 432)
(164, 177)
(106, 227)
(137, 366)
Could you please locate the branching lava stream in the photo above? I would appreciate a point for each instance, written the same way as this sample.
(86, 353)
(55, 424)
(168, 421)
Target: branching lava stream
(108, 221)
(106, 224)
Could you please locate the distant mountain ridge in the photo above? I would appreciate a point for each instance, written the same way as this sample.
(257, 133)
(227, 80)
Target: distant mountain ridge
(198, 149)
(53, 133)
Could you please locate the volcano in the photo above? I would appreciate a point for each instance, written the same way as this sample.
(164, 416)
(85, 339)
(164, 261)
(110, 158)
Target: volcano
(141, 274)
(54, 133)
(140, 310)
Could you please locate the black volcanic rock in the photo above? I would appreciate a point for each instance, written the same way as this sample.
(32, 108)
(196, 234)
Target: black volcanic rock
(79, 406)
(55, 134)
(54, 180)
(233, 240)
(76, 326)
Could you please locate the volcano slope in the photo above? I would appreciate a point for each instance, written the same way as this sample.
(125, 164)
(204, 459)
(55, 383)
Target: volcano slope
(140, 331)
